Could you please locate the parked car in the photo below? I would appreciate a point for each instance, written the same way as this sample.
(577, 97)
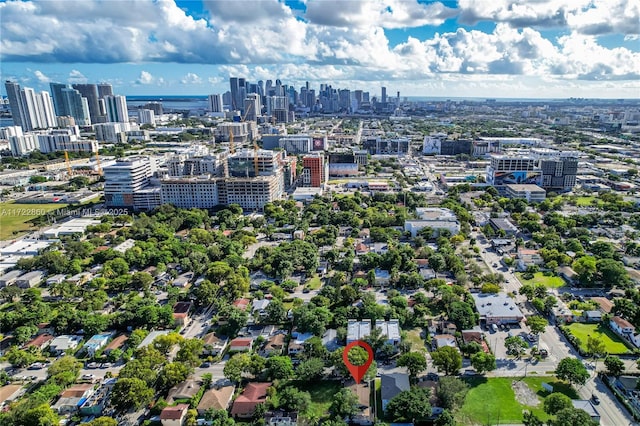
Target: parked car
(595, 399)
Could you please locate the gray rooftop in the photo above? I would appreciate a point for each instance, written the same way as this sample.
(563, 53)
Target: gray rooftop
(496, 305)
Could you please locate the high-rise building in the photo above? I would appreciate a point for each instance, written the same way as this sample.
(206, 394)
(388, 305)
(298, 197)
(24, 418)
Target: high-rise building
(252, 107)
(23, 144)
(243, 163)
(214, 103)
(59, 104)
(146, 116)
(17, 105)
(104, 90)
(315, 171)
(39, 109)
(296, 144)
(124, 178)
(90, 93)
(384, 95)
(77, 106)
(116, 109)
(505, 170)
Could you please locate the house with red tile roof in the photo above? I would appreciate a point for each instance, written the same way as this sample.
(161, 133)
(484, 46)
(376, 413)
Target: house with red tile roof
(245, 405)
(174, 416)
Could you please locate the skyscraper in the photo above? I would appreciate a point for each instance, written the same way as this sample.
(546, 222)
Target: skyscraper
(90, 92)
(384, 95)
(59, 104)
(235, 89)
(252, 107)
(214, 103)
(104, 89)
(17, 105)
(38, 108)
(116, 109)
(77, 106)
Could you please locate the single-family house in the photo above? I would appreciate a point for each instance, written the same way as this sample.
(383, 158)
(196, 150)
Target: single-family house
(182, 281)
(241, 344)
(472, 336)
(97, 401)
(63, 343)
(441, 327)
(30, 279)
(528, 257)
(245, 404)
(181, 313)
(116, 343)
(174, 416)
(330, 340)
(151, 337)
(605, 305)
(260, 306)
(10, 278)
(273, 346)
(621, 326)
(95, 343)
(55, 279)
(213, 344)
(390, 329)
(184, 390)
(361, 248)
(382, 277)
(9, 393)
(72, 398)
(391, 385)
(216, 399)
(442, 340)
(241, 304)
(379, 248)
(41, 341)
(593, 317)
(80, 278)
(568, 274)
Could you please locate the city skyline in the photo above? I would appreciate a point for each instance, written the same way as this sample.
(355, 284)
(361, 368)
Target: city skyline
(463, 48)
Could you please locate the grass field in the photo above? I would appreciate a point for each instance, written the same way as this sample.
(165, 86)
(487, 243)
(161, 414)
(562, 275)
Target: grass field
(322, 393)
(613, 344)
(14, 218)
(502, 407)
(414, 336)
(585, 201)
(540, 278)
(314, 283)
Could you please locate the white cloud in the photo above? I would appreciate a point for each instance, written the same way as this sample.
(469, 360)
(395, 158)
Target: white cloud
(191, 78)
(583, 16)
(76, 76)
(380, 13)
(332, 41)
(41, 77)
(145, 78)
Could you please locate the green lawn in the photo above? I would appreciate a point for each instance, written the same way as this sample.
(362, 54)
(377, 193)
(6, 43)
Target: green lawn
(314, 283)
(613, 344)
(585, 201)
(540, 278)
(493, 401)
(322, 393)
(14, 218)
(414, 336)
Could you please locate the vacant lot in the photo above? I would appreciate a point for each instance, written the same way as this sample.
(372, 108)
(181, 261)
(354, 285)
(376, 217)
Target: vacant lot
(503, 407)
(613, 344)
(14, 218)
(314, 283)
(540, 278)
(416, 338)
(322, 393)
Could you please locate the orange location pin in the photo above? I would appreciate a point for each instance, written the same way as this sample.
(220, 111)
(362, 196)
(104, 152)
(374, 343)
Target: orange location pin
(357, 371)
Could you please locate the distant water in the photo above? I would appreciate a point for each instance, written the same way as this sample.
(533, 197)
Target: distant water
(170, 103)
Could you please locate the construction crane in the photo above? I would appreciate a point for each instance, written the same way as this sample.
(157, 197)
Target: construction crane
(68, 163)
(231, 147)
(98, 165)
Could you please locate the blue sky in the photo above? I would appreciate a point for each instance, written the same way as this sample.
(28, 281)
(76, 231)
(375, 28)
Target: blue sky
(483, 48)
